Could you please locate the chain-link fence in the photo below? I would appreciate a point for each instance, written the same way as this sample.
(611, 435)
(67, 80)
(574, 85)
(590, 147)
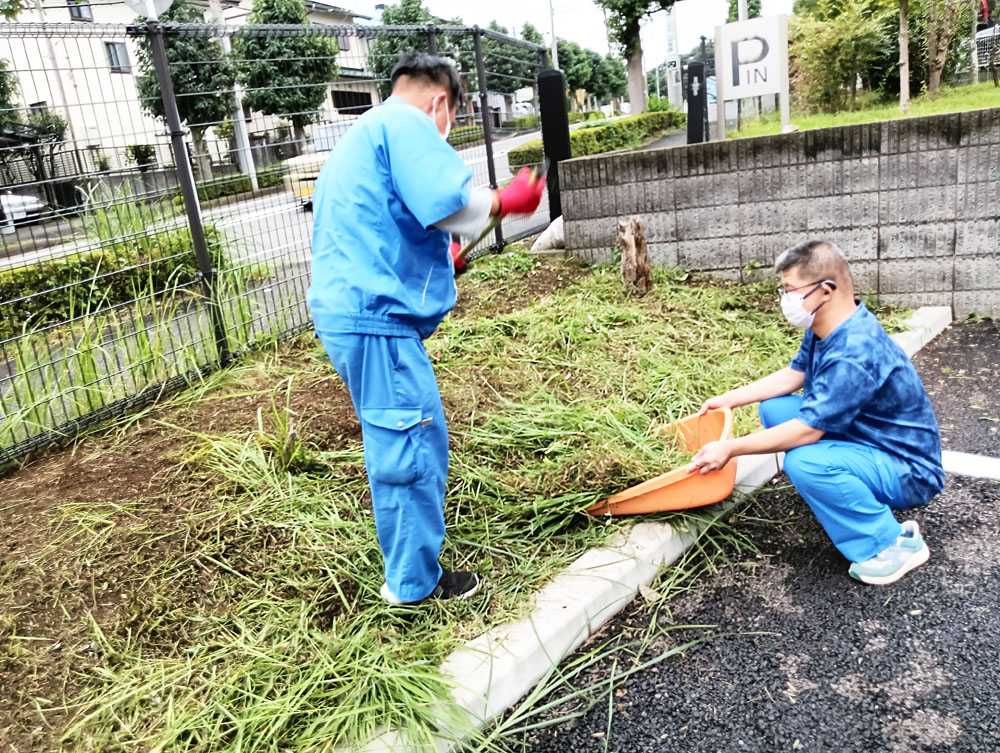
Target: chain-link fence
(156, 193)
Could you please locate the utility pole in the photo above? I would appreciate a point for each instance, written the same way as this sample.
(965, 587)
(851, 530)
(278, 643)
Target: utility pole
(674, 93)
(704, 62)
(607, 29)
(50, 52)
(552, 27)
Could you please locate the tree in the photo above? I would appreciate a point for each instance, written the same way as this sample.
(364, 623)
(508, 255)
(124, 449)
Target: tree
(576, 66)
(694, 56)
(288, 77)
(203, 92)
(946, 19)
(384, 51)
(508, 67)
(624, 22)
(904, 56)
(753, 10)
(10, 9)
(828, 55)
(9, 112)
(51, 131)
(530, 34)
(614, 76)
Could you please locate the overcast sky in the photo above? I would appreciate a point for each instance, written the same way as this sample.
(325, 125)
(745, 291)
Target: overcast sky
(583, 22)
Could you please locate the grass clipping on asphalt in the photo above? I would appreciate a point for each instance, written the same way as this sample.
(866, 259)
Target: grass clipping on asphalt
(553, 400)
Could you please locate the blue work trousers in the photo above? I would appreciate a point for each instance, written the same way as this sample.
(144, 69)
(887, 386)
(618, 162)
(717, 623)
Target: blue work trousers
(851, 488)
(396, 397)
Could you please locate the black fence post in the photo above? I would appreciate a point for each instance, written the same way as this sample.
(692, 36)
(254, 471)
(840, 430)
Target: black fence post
(432, 46)
(697, 100)
(555, 131)
(189, 190)
(484, 111)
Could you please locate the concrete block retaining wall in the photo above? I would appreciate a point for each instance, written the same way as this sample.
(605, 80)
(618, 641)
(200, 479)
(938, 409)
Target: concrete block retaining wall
(915, 204)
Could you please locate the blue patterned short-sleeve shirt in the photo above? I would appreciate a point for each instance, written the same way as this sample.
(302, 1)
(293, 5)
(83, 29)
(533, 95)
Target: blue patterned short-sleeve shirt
(861, 387)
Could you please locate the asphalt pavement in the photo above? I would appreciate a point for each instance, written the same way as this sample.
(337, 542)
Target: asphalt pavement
(270, 227)
(803, 657)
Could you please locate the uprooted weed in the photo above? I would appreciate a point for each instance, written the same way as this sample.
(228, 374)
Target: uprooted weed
(261, 628)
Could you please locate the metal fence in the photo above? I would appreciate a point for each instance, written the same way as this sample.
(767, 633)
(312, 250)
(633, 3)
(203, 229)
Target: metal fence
(155, 185)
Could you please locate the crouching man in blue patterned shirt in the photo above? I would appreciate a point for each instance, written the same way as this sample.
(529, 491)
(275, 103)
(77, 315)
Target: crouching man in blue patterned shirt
(862, 440)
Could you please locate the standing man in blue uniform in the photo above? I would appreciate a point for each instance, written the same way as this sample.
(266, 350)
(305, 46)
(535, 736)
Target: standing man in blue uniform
(862, 440)
(383, 278)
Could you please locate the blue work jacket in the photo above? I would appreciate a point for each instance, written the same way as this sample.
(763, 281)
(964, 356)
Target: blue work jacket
(379, 266)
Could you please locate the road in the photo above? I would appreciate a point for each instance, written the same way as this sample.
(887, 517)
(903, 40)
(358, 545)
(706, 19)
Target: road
(273, 227)
(798, 656)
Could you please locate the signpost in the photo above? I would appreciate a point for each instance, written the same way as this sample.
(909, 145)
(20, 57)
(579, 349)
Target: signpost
(751, 60)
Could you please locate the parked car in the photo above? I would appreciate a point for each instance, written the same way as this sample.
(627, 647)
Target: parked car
(21, 208)
(301, 173)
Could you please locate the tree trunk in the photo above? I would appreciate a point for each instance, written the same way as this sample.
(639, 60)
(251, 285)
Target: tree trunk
(636, 78)
(202, 159)
(940, 30)
(300, 136)
(636, 272)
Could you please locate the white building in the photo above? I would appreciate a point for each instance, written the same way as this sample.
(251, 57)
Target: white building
(89, 79)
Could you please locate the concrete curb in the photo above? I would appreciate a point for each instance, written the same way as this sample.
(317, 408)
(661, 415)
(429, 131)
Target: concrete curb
(492, 672)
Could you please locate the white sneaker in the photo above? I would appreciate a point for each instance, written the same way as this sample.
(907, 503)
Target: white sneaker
(896, 560)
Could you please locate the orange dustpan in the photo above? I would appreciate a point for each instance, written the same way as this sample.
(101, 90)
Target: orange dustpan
(681, 489)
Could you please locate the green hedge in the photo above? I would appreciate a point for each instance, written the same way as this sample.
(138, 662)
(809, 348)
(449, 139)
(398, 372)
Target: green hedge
(464, 135)
(232, 185)
(62, 288)
(523, 123)
(580, 117)
(621, 133)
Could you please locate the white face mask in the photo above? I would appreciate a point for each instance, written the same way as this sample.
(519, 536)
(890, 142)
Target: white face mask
(447, 127)
(793, 306)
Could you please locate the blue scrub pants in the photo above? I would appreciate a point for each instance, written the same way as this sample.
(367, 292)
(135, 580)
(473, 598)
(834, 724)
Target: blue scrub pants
(851, 488)
(396, 397)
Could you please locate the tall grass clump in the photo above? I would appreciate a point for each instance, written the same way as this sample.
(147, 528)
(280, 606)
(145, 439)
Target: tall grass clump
(278, 640)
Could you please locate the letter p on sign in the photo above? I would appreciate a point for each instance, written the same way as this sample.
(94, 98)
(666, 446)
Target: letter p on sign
(755, 53)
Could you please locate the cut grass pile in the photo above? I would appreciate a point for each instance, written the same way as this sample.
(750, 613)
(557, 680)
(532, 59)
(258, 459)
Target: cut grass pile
(950, 99)
(251, 619)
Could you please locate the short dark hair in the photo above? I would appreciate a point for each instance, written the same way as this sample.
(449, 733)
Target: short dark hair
(429, 68)
(815, 258)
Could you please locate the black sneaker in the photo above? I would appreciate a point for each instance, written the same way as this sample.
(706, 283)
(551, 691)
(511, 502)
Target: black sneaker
(456, 584)
(452, 585)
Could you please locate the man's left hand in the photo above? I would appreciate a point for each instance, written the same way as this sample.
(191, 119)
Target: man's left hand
(711, 457)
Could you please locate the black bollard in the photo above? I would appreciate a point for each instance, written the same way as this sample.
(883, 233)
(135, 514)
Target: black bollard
(555, 131)
(697, 99)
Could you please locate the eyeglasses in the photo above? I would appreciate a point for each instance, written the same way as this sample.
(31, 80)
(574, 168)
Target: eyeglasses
(783, 291)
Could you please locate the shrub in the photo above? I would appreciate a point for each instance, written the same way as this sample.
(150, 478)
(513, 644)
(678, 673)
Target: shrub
(615, 134)
(57, 289)
(141, 154)
(523, 123)
(236, 184)
(580, 117)
(657, 104)
(464, 135)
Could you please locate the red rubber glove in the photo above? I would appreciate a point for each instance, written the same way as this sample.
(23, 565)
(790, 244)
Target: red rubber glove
(523, 194)
(456, 249)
